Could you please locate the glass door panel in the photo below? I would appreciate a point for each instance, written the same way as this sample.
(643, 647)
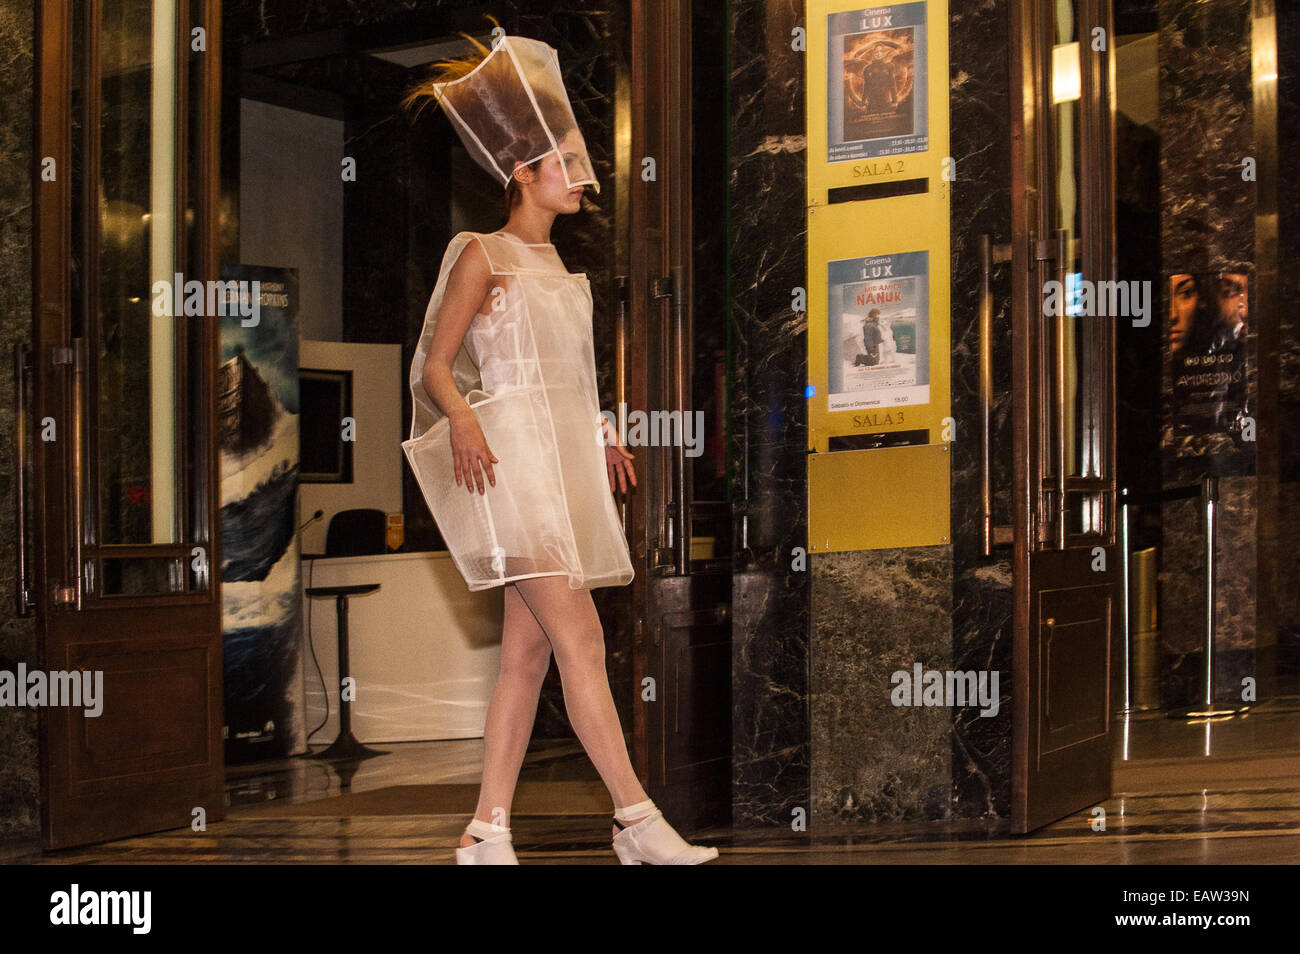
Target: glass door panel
(140, 536)
(1077, 329)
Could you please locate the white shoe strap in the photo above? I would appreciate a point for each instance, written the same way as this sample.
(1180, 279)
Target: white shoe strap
(639, 810)
(487, 831)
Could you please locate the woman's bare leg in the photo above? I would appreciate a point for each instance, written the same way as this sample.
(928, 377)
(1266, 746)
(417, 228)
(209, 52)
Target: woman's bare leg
(525, 660)
(570, 619)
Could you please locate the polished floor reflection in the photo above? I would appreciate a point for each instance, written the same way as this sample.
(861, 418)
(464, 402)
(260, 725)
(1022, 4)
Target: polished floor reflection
(1269, 727)
(409, 806)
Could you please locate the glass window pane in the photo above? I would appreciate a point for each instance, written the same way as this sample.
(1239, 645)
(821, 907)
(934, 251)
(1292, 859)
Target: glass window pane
(134, 399)
(140, 576)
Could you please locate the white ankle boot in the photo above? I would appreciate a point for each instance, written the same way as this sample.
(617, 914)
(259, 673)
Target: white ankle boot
(653, 841)
(493, 847)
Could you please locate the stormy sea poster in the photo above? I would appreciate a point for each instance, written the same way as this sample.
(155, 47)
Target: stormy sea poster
(257, 393)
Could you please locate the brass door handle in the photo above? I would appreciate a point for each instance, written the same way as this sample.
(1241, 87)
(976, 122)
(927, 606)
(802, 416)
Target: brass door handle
(1050, 623)
(1059, 372)
(78, 458)
(989, 254)
(682, 399)
(22, 374)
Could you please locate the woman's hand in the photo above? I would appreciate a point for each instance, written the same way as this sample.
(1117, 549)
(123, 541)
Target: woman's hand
(469, 450)
(618, 461)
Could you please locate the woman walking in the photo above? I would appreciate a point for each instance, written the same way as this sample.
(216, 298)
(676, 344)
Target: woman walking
(509, 447)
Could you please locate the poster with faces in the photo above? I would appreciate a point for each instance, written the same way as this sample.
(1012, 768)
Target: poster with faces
(1209, 365)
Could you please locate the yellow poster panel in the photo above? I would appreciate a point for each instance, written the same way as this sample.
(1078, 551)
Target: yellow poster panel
(879, 358)
(879, 499)
(878, 220)
(879, 354)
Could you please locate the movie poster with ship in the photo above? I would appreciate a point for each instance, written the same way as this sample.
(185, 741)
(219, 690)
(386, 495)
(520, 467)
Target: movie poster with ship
(879, 317)
(876, 84)
(257, 412)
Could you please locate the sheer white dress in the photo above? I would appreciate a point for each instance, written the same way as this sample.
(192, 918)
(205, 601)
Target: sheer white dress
(527, 368)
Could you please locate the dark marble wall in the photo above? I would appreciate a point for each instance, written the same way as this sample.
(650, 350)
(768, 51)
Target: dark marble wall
(1288, 416)
(19, 779)
(876, 612)
(767, 258)
(981, 638)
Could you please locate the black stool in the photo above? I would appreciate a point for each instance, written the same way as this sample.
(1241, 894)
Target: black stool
(345, 746)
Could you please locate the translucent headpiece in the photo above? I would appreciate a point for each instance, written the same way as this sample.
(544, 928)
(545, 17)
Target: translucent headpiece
(513, 108)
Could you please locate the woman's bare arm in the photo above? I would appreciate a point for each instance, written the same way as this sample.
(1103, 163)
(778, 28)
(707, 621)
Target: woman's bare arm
(468, 286)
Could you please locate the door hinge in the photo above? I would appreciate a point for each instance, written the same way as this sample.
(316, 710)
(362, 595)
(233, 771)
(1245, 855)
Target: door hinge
(661, 287)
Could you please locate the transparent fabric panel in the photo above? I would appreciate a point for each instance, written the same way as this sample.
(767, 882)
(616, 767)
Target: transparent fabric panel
(551, 510)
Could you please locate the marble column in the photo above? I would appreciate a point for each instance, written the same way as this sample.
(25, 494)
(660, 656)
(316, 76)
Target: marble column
(814, 725)
(1287, 529)
(768, 423)
(19, 770)
(981, 636)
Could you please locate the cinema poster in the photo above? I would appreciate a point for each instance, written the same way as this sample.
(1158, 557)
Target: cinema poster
(876, 82)
(1210, 379)
(879, 331)
(257, 388)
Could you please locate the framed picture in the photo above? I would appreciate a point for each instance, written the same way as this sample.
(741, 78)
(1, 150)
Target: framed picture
(877, 63)
(878, 335)
(325, 408)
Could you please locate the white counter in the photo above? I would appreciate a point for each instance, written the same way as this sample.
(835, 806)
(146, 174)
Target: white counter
(423, 650)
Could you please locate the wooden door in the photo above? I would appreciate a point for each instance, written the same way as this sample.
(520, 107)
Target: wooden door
(1066, 569)
(122, 508)
(682, 596)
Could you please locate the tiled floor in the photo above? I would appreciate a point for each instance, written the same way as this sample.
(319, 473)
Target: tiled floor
(1171, 806)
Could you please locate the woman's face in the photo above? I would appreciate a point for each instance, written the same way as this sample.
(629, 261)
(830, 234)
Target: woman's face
(1234, 304)
(1182, 309)
(550, 188)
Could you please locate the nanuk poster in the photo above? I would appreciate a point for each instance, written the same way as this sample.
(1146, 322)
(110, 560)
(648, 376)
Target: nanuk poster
(879, 331)
(875, 83)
